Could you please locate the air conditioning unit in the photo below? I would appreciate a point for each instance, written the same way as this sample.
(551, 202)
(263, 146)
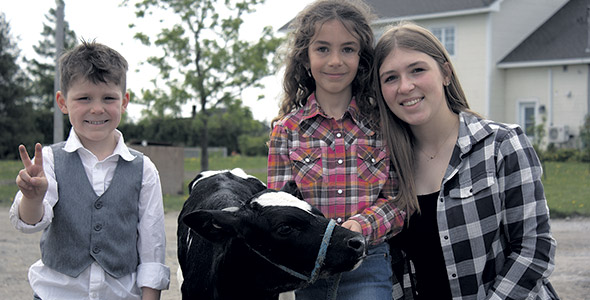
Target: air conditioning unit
(559, 134)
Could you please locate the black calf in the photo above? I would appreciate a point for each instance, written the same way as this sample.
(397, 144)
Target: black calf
(239, 240)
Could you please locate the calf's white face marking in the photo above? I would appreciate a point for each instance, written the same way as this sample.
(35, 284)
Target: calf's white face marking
(237, 171)
(282, 199)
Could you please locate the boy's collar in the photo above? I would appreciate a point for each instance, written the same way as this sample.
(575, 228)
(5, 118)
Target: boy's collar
(73, 143)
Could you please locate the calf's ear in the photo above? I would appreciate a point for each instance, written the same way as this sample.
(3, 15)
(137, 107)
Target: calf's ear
(291, 188)
(214, 225)
(190, 185)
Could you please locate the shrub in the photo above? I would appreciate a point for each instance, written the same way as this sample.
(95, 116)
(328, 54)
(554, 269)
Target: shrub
(253, 145)
(561, 155)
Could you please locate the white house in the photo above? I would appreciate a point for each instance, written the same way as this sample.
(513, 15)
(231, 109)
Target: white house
(548, 74)
(519, 61)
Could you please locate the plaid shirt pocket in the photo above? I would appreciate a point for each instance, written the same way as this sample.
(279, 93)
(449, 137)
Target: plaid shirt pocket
(307, 164)
(472, 185)
(372, 164)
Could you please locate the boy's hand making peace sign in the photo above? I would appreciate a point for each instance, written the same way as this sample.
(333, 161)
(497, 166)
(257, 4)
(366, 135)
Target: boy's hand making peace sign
(33, 184)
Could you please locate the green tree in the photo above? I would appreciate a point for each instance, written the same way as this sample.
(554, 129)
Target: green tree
(42, 72)
(42, 69)
(204, 61)
(16, 118)
(235, 120)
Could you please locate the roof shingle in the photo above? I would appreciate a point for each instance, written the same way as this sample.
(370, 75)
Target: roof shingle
(387, 9)
(564, 36)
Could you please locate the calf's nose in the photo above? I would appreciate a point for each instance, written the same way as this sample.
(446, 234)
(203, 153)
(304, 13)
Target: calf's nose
(357, 244)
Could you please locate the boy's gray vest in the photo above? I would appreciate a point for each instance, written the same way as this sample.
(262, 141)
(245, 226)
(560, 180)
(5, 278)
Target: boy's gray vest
(86, 227)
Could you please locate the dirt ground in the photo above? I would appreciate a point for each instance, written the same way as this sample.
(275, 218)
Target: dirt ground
(18, 251)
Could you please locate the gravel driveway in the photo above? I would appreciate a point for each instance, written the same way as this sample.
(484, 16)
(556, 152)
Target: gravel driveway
(18, 251)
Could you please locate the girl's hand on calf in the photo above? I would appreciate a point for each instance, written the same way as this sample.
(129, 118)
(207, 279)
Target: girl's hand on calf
(353, 226)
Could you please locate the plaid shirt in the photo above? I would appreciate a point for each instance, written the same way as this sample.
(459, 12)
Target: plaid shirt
(492, 217)
(340, 166)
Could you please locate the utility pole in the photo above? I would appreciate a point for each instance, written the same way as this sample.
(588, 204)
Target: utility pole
(588, 28)
(58, 126)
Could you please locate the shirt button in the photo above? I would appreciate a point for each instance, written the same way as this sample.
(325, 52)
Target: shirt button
(96, 250)
(338, 134)
(340, 192)
(442, 199)
(339, 220)
(98, 204)
(373, 160)
(98, 227)
(307, 159)
(453, 275)
(339, 161)
(446, 237)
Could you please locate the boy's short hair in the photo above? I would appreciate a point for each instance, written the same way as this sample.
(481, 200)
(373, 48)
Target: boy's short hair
(94, 62)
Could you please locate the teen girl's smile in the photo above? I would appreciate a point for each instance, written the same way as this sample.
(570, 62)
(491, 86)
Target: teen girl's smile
(333, 60)
(412, 85)
(412, 102)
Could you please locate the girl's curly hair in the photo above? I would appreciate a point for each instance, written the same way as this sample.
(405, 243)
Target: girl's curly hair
(298, 84)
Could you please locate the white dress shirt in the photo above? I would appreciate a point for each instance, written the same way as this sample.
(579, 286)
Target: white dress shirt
(94, 282)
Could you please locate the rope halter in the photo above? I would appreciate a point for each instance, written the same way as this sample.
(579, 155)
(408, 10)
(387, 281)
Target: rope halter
(319, 262)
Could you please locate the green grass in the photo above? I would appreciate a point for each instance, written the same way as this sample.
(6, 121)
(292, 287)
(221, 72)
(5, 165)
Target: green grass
(257, 163)
(567, 188)
(9, 169)
(567, 184)
(7, 192)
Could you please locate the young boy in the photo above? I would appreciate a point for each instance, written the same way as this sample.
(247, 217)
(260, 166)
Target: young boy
(98, 202)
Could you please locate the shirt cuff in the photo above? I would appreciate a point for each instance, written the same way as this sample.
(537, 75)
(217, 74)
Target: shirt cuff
(153, 275)
(28, 228)
(367, 230)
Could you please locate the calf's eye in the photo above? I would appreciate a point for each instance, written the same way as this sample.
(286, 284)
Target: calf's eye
(284, 230)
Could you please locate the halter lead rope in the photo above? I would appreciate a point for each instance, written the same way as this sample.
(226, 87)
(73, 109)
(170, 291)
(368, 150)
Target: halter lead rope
(319, 262)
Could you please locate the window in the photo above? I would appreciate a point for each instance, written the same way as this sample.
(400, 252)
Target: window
(446, 35)
(527, 118)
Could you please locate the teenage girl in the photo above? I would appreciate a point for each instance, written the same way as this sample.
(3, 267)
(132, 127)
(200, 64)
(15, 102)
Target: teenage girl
(482, 231)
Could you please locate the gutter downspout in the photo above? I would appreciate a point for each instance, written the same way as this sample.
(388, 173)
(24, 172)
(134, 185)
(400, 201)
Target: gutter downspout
(489, 66)
(550, 94)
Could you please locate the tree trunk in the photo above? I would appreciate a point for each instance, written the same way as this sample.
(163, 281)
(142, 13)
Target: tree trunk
(205, 143)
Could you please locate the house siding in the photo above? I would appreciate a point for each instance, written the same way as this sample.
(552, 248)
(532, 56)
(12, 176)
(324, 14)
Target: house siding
(570, 96)
(470, 60)
(470, 52)
(562, 90)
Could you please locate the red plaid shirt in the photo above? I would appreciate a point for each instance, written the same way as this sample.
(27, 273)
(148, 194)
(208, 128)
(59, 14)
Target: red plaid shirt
(340, 166)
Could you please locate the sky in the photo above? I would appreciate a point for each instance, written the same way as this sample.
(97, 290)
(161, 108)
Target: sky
(107, 22)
